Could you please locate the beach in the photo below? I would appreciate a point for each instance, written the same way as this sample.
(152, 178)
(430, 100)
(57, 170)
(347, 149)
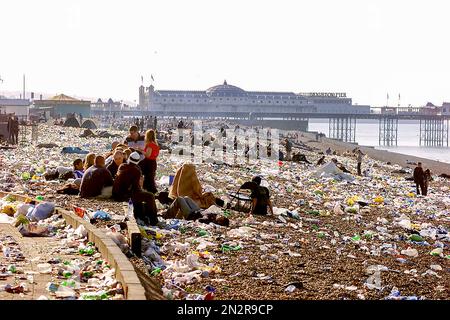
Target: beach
(436, 167)
(327, 238)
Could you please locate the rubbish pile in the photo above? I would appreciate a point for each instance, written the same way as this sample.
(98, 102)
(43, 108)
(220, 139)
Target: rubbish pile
(75, 268)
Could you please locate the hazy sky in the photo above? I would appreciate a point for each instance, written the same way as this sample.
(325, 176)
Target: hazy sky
(101, 48)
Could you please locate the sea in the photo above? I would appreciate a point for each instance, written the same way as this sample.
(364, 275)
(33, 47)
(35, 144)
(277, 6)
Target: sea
(407, 138)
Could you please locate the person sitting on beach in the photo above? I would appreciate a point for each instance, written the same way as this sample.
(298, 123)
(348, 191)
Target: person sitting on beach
(128, 185)
(340, 166)
(328, 151)
(96, 179)
(419, 176)
(88, 161)
(78, 169)
(321, 161)
(298, 157)
(109, 155)
(117, 161)
(186, 208)
(260, 198)
(135, 140)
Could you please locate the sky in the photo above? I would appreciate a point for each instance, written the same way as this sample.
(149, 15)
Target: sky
(101, 49)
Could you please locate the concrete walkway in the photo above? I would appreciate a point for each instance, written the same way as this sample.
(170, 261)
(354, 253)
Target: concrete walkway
(36, 251)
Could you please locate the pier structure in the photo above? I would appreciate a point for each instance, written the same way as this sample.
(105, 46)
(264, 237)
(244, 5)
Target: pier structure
(433, 132)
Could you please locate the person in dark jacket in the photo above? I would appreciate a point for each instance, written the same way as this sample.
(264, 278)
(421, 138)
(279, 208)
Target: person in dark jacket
(128, 185)
(260, 198)
(95, 179)
(426, 180)
(419, 179)
(117, 161)
(321, 161)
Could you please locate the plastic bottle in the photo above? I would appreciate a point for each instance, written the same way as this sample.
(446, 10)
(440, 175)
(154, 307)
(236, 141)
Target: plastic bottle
(416, 238)
(130, 211)
(436, 252)
(410, 252)
(293, 214)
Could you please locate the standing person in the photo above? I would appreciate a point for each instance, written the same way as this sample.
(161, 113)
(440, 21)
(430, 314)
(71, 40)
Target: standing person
(151, 152)
(359, 158)
(15, 124)
(419, 177)
(288, 149)
(142, 124)
(426, 180)
(128, 185)
(10, 130)
(155, 123)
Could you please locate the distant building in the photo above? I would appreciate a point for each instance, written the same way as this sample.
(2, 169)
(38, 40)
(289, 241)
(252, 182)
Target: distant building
(229, 100)
(20, 107)
(110, 104)
(61, 105)
(446, 108)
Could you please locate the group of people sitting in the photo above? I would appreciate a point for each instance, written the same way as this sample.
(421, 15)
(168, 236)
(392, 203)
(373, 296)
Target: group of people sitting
(128, 172)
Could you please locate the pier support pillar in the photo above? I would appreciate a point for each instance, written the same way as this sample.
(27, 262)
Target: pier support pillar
(342, 128)
(433, 132)
(387, 131)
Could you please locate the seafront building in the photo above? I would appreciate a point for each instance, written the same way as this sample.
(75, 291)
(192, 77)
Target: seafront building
(18, 107)
(61, 105)
(229, 100)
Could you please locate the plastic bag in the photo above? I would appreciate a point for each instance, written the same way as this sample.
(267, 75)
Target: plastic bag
(41, 211)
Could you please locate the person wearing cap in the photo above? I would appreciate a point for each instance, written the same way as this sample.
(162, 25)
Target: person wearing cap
(128, 185)
(260, 198)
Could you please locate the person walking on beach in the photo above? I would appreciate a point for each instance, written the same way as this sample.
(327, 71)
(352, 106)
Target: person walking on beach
(426, 180)
(288, 149)
(359, 158)
(419, 179)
